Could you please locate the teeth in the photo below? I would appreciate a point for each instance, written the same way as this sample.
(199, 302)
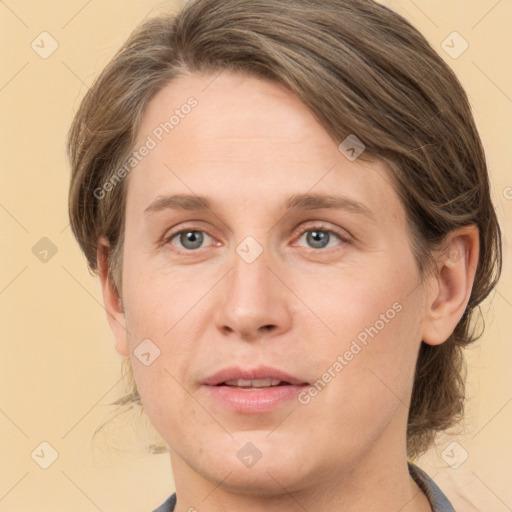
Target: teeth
(256, 383)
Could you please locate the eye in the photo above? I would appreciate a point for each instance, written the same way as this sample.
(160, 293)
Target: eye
(320, 238)
(190, 239)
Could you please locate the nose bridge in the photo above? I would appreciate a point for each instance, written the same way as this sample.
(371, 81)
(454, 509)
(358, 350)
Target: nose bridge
(249, 284)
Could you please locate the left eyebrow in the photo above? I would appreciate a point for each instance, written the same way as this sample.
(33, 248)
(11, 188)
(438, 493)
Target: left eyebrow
(319, 201)
(295, 202)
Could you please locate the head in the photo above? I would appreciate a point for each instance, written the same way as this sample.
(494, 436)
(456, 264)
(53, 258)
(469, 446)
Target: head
(248, 112)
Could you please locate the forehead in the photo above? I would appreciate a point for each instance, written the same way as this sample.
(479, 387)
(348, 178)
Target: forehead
(233, 106)
(232, 135)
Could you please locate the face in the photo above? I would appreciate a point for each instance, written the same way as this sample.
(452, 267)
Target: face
(294, 268)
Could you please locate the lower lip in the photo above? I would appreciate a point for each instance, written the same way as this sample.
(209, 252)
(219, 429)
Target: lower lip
(254, 401)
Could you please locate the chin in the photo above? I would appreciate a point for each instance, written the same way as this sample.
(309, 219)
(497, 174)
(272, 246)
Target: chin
(260, 467)
(264, 481)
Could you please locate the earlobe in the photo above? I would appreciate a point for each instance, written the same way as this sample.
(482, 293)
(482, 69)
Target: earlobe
(451, 284)
(111, 300)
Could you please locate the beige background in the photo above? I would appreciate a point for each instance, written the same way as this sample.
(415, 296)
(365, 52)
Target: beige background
(59, 369)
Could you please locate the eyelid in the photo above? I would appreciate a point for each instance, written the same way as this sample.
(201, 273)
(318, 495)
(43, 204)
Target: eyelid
(343, 235)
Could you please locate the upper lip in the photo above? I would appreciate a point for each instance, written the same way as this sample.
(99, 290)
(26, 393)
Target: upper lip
(261, 372)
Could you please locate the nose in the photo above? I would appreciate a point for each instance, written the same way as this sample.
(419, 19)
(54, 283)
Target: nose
(254, 303)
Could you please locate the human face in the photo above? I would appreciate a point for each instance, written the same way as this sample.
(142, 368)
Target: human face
(258, 285)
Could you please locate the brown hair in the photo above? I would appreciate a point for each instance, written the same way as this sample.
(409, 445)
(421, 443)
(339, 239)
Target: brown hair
(361, 69)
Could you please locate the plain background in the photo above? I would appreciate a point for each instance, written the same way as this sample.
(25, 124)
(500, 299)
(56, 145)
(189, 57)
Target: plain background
(59, 370)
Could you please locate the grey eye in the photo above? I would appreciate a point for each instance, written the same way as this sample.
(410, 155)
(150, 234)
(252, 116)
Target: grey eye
(190, 239)
(319, 238)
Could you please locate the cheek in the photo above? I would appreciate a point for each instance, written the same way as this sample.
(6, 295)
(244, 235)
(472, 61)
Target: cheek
(159, 298)
(366, 363)
(359, 298)
(374, 367)
(157, 307)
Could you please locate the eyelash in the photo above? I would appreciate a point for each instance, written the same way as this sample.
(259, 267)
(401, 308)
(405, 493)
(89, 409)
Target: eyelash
(344, 239)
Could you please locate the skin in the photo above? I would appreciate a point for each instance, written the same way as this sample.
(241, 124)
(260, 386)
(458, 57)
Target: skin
(248, 146)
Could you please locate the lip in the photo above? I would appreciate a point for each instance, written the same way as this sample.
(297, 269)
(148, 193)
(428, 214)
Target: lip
(252, 401)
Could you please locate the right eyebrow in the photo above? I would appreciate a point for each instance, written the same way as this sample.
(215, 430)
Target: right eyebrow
(178, 202)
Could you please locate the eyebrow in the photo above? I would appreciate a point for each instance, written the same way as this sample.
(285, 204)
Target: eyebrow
(295, 202)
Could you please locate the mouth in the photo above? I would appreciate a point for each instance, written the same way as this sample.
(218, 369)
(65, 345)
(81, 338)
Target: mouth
(256, 378)
(252, 391)
(254, 383)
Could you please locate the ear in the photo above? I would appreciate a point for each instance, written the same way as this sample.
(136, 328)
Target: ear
(113, 304)
(449, 288)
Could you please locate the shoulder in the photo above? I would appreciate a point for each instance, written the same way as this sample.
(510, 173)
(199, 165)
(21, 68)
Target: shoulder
(438, 501)
(168, 506)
